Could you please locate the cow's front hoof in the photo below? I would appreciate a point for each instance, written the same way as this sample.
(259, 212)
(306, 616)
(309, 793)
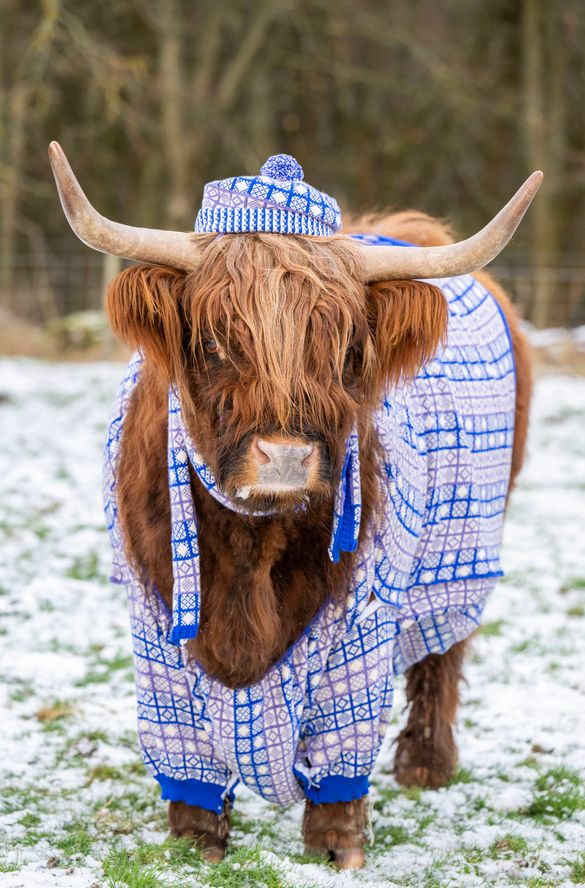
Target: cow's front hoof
(209, 831)
(213, 854)
(336, 830)
(428, 762)
(349, 858)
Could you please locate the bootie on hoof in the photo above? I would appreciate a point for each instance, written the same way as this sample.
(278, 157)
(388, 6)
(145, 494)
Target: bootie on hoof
(337, 830)
(425, 758)
(208, 830)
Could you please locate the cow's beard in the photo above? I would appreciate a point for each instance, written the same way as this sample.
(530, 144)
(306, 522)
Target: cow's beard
(280, 501)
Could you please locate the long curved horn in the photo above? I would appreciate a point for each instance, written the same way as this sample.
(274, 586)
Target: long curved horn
(174, 248)
(405, 263)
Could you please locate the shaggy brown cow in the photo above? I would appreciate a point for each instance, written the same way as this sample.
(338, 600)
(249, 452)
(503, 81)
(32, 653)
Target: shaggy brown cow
(278, 346)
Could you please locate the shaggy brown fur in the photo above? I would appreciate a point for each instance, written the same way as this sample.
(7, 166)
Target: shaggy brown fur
(277, 336)
(426, 754)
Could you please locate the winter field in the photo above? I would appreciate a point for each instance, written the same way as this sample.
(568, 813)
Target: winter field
(78, 811)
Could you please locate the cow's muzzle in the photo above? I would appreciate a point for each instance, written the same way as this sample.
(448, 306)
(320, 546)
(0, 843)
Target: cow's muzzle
(281, 466)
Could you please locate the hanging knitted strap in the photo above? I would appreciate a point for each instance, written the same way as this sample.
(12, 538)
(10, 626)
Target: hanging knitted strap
(184, 537)
(347, 504)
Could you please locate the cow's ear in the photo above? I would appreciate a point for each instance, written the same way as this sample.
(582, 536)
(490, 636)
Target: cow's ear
(408, 322)
(143, 304)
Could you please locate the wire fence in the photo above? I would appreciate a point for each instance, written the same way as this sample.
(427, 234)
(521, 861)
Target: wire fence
(40, 288)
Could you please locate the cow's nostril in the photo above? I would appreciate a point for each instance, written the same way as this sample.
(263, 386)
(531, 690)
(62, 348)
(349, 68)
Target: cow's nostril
(309, 457)
(260, 454)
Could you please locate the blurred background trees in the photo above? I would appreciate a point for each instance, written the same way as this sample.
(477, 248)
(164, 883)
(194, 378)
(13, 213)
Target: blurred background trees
(443, 106)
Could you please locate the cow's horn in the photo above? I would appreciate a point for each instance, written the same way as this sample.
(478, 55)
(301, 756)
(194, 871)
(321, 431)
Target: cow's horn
(175, 248)
(404, 263)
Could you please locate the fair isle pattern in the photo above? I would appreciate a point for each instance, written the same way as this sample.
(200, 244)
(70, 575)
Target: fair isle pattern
(277, 200)
(420, 581)
(227, 220)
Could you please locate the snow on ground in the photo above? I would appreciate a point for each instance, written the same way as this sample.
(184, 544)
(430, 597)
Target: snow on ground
(77, 809)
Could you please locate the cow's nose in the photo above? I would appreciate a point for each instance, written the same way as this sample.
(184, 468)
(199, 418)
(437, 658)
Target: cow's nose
(285, 464)
(270, 451)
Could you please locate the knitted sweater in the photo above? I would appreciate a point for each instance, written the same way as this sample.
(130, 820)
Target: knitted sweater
(314, 724)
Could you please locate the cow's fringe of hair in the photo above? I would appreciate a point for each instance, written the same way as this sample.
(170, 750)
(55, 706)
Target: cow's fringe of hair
(285, 312)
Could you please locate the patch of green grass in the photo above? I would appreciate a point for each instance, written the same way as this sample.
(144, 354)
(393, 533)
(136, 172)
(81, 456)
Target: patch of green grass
(137, 803)
(492, 629)
(430, 875)
(510, 843)
(577, 872)
(9, 867)
(529, 762)
(107, 668)
(244, 868)
(32, 837)
(386, 795)
(30, 819)
(120, 868)
(576, 611)
(147, 865)
(22, 798)
(425, 821)
(86, 568)
(304, 859)
(176, 852)
(397, 835)
(558, 794)
(411, 792)
(116, 772)
(22, 690)
(92, 678)
(76, 841)
(473, 855)
(521, 646)
(463, 775)
(573, 583)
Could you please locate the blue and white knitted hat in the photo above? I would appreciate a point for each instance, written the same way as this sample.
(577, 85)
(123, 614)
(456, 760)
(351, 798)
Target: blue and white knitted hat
(277, 200)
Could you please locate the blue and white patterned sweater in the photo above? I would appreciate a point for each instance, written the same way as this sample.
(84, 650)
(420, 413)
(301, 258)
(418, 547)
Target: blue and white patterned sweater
(314, 724)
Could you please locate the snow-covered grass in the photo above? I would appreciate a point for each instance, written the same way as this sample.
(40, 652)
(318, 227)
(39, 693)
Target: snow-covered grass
(77, 809)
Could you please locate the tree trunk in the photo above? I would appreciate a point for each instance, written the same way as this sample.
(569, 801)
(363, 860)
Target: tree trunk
(544, 119)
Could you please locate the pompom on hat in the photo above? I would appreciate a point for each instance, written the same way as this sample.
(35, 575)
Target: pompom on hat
(276, 200)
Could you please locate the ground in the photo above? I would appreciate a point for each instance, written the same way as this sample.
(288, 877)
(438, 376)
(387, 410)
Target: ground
(77, 809)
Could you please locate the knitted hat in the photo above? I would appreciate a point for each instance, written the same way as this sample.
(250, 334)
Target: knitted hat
(276, 200)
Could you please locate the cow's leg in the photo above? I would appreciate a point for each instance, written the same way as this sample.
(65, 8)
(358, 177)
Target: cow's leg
(207, 829)
(426, 753)
(337, 829)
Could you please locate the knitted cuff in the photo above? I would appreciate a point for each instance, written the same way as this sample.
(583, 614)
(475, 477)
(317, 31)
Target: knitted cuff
(334, 789)
(194, 792)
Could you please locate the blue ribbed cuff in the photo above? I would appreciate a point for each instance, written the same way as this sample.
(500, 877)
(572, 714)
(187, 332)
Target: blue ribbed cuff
(335, 788)
(193, 792)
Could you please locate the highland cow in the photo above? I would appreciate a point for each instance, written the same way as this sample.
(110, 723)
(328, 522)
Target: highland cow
(306, 475)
